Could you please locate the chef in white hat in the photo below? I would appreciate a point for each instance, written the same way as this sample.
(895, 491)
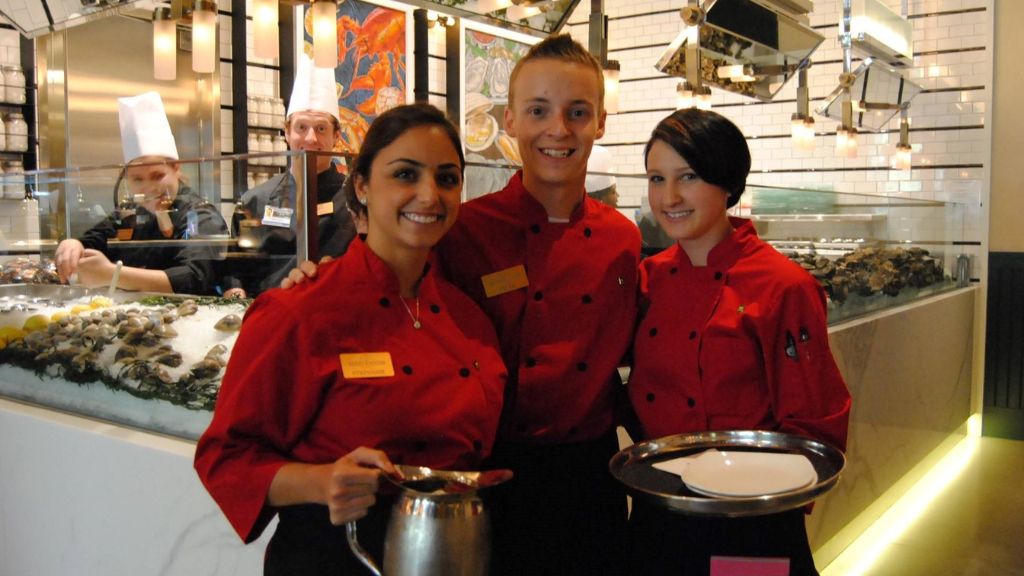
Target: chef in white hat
(164, 208)
(313, 124)
(599, 184)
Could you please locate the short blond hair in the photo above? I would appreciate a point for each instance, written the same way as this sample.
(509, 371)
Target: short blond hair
(561, 48)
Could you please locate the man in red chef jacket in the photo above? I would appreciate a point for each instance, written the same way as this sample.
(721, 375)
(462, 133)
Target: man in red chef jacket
(556, 271)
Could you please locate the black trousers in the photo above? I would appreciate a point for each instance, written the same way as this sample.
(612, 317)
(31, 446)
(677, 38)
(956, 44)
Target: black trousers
(663, 542)
(307, 544)
(562, 513)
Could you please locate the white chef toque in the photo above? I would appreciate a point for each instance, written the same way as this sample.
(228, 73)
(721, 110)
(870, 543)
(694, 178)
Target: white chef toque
(144, 127)
(313, 90)
(600, 161)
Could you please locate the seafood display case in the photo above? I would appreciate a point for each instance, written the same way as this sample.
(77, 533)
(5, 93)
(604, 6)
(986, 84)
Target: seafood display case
(147, 360)
(869, 252)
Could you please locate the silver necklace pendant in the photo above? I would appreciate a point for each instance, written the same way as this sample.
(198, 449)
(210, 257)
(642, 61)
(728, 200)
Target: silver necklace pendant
(415, 319)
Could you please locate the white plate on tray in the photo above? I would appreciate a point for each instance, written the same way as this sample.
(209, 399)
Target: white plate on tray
(739, 474)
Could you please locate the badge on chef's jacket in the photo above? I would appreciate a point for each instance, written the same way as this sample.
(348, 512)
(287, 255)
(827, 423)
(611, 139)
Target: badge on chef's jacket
(367, 365)
(277, 216)
(507, 280)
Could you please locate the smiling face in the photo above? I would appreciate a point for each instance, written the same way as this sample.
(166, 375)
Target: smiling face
(555, 117)
(690, 210)
(156, 185)
(313, 131)
(412, 193)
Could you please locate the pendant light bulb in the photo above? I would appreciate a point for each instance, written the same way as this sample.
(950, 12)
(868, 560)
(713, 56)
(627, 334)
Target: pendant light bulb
(325, 33)
(611, 87)
(265, 29)
(165, 54)
(204, 37)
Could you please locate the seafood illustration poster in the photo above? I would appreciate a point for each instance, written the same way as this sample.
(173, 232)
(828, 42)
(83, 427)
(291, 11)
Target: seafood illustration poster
(374, 71)
(489, 54)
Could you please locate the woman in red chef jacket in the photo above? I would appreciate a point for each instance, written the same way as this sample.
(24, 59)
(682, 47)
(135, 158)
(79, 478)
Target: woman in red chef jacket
(380, 361)
(733, 337)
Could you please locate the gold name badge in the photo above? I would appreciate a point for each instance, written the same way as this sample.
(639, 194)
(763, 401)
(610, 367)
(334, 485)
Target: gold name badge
(367, 365)
(507, 280)
(324, 208)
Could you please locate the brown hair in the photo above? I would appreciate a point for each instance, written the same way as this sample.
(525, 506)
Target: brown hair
(712, 145)
(563, 48)
(384, 130)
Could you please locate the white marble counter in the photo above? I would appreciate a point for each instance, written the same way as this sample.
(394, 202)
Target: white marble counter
(88, 498)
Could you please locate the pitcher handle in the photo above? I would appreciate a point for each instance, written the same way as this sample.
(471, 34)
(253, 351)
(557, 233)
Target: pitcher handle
(358, 550)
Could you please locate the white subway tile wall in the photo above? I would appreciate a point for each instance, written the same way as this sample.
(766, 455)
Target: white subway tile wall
(952, 63)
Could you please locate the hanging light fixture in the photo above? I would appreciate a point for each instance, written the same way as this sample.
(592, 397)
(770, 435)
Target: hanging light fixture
(265, 33)
(204, 36)
(325, 33)
(903, 150)
(801, 123)
(684, 96)
(611, 86)
(693, 16)
(165, 53)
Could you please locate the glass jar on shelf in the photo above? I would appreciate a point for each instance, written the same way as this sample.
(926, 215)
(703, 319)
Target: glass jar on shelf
(17, 133)
(266, 109)
(14, 181)
(279, 113)
(280, 148)
(252, 114)
(14, 84)
(254, 147)
(266, 146)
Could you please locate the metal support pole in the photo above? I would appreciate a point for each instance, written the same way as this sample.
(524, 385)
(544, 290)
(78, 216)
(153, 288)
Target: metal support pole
(420, 32)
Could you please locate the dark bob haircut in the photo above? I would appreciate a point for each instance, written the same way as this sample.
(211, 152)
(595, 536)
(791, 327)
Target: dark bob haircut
(387, 128)
(712, 145)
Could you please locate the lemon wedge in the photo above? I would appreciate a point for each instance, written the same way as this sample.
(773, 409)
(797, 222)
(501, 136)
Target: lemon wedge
(36, 322)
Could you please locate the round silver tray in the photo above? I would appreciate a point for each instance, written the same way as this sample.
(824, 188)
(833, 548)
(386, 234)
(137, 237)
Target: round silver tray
(633, 467)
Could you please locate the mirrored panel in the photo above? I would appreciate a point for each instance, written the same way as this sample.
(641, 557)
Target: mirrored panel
(746, 48)
(535, 17)
(34, 18)
(878, 93)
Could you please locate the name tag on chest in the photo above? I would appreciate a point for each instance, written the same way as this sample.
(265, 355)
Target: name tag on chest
(367, 365)
(277, 216)
(503, 281)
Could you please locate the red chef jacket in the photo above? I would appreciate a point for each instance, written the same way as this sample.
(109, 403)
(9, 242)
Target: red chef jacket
(564, 334)
(739, 344)
(284, 397)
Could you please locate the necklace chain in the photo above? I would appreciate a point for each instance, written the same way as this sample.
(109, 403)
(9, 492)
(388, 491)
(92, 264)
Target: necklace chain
(415, 319)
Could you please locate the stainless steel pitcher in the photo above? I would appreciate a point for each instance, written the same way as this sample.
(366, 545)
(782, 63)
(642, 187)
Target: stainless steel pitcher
(438, 525)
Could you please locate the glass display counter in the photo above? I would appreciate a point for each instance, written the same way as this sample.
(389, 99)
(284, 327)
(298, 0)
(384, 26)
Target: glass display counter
(155, 360)
(869, 252)
(144, 359)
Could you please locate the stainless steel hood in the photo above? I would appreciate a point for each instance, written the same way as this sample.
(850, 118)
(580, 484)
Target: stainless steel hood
(749, 47)
(34, 18)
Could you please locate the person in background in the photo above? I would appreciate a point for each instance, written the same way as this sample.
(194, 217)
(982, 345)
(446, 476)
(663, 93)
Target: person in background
(600, 185)
(556, 271)
(312, 124)
(165, 208)
(328, 387)
(733, 337)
